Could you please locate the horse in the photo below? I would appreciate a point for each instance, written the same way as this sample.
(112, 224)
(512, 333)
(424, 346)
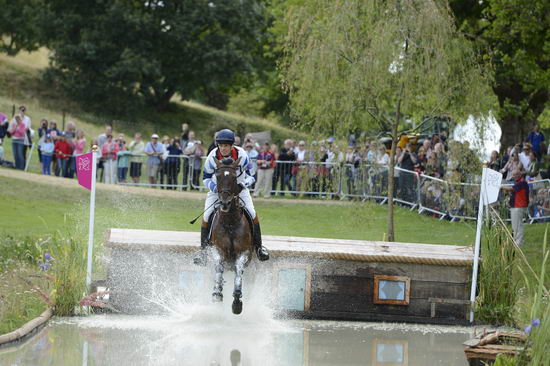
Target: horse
(231, 233)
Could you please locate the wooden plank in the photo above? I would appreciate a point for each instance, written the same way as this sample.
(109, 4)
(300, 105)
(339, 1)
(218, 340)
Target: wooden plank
(363, 304)
(332, 248)
(419, 289)
(419, 272)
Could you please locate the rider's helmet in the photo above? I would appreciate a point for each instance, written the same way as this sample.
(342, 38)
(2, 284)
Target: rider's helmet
(225, 136)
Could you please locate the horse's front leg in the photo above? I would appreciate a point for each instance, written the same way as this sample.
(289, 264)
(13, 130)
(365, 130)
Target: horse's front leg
(237, 306)
(217, 295)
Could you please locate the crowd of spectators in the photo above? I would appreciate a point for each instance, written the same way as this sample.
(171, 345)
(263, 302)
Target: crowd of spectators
(314, 168)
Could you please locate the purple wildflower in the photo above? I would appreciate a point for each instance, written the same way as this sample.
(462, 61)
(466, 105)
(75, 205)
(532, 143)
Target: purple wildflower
(48, 257)
(535, 322)
(528, 329)
(44, 267)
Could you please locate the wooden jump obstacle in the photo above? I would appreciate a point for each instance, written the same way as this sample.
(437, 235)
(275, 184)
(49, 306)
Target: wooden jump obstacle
(313, 278)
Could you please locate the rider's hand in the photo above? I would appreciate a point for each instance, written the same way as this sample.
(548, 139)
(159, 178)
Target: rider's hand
(213, 187)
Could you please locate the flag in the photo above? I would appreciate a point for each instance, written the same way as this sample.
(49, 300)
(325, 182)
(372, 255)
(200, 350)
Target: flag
(84, 165)
(491, 186)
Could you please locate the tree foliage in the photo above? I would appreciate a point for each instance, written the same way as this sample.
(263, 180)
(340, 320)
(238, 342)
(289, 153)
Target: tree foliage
(352, 63)
(515, 34)
(109, 52)
(19, 28)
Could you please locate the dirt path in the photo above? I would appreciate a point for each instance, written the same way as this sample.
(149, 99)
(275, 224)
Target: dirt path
(72, 183)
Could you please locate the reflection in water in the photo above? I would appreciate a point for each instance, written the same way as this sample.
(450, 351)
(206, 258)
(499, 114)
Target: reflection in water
(211, 338)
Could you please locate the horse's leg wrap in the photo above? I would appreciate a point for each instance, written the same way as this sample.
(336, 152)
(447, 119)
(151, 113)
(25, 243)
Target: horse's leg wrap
(261, 251)
(239, 271)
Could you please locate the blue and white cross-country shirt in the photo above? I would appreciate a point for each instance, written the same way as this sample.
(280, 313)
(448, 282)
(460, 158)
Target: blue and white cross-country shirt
(243, 170)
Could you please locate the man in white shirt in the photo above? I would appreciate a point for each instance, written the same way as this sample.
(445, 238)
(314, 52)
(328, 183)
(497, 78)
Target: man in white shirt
(524, 155)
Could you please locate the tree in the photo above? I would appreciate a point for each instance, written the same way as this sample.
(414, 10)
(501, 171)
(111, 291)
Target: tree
(353, 63)
(19, 29)
(515, 34)
(105, 51)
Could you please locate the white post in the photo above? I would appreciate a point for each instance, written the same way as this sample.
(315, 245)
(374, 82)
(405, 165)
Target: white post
(29, 157)
(477, 244)
(91, 224)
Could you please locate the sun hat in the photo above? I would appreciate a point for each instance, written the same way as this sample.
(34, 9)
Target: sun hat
(154, 136)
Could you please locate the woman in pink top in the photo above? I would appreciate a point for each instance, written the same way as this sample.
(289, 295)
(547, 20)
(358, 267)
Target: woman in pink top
(18, 130)
(80, 143)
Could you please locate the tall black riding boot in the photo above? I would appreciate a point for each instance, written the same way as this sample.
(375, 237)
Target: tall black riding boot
(200, 259)
(261, 251)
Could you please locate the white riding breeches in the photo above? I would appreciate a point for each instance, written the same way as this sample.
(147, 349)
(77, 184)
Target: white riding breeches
(212, 197)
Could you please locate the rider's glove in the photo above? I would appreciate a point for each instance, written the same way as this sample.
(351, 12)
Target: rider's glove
(213, 187)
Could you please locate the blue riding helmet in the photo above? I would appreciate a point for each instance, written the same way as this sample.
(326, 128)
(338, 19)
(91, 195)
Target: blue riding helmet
(225, 136)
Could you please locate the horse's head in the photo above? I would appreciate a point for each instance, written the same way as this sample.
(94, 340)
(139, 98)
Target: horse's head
(226, 179)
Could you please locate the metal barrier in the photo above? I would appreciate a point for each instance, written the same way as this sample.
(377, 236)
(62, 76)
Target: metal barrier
(454, 201)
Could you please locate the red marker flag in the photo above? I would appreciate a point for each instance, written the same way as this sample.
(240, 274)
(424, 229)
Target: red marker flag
(84, 167)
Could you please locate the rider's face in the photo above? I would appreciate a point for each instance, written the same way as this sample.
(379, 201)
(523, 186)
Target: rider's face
(225, 149)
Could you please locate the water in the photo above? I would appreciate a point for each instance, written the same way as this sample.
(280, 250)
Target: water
(212, 336)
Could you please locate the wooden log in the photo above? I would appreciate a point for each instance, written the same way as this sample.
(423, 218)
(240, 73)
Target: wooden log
(26, 328)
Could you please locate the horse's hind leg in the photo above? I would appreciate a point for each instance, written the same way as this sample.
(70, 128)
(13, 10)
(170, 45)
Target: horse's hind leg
(237, 306)
(217, 295)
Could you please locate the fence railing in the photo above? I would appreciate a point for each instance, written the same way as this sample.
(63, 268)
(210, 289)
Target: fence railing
(329, 180)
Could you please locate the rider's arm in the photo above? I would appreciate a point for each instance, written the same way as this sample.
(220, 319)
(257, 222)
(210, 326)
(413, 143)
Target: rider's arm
(208, 175)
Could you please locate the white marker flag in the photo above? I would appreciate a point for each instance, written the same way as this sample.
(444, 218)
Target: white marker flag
(491, 186)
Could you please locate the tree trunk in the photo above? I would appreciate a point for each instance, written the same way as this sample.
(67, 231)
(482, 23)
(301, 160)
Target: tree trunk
(391, 173)
(162, 99)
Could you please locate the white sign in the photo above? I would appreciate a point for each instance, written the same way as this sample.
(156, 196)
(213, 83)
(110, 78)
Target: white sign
(490, 187)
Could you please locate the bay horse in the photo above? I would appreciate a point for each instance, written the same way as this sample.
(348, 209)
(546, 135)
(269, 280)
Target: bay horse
(231, 233)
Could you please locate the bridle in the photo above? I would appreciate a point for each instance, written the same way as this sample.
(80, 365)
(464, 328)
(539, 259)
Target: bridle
(234, 195)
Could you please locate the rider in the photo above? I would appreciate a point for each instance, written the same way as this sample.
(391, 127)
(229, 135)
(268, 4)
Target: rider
(225, 149)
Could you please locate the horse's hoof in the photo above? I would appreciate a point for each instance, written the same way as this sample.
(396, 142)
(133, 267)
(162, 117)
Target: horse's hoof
(216, 297)
(237, 307)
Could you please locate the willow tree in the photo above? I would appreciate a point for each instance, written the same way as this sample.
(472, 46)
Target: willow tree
(352, 64)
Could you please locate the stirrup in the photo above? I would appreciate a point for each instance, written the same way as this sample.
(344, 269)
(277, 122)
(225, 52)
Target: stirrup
(262, 253)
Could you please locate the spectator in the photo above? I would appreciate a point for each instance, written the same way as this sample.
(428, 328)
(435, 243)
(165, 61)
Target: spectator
(173, 162)
(407, 160)
(519, 201)
(163, 167)
(536, 139)
(197, 162)
(123, 159)
(188, 159)
(136, 149)
(512, 165)
(47, 148)
(524, 155)
(506, 156)
(97, 153)
(42, 132)
(286, 159)
(4, 124)
(275, 150)
(494, 162)
(109, 152)
(63, 151)
(28, 134)
(184, 135)
(253, 156)
(1, 151)
(383, 159)
(211, 147)
(301, 167)
(237, 141)
(79, 143)
(18, 131)
(100, 141)
(533, 169)
(266, 166)
(154, 150)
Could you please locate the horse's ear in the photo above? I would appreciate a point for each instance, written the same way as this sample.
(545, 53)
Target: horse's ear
(218, 163)
(236, 163)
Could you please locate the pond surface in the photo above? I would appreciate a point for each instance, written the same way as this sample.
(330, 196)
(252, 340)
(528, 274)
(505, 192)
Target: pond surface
(210, 337)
